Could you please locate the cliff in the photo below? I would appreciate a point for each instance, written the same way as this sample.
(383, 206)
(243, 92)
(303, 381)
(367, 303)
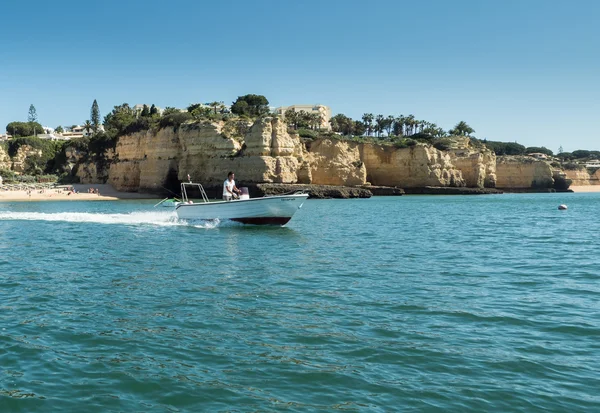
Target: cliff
(5, 161)
(23, 154)
(523, 172)
(412, 167)
(583, 177)
(268, 153)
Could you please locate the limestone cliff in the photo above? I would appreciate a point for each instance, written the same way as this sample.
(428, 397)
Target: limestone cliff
(267, 152)
(523, 172)
(335, 163)
(584, 176)
(150, 160)
(478, 165)
(24, 153)
(412, 167)
(5, 161)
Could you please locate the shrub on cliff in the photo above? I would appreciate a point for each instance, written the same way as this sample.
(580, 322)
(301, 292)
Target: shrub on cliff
(174, 119)
(536, 149)
(505, 148)
(307, 133)
(573, 166)
(404, 143)
(443, 144)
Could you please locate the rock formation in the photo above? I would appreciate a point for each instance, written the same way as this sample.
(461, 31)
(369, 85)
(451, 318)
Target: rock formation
(268, 153)
(412, 167)
(24, 153)
(583, 176)
(5, 161)
(523, 172)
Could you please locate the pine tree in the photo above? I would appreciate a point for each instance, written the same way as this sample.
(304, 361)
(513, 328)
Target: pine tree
(32, 114)
(145, 111)
(95, 116)
(153, 110)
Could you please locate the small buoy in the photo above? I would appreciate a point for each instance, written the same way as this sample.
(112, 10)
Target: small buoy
(562, 207)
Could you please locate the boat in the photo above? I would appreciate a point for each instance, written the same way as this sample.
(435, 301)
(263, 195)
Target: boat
(267, 210)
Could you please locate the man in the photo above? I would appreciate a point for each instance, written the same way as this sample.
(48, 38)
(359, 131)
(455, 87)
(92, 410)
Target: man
(229, 189)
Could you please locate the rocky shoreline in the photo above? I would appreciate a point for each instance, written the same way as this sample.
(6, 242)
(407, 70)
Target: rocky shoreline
(346, 192)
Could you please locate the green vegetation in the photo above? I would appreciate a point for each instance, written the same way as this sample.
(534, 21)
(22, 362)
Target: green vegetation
(505, 148)
(535, 149)
(18, 129)
(95, 116)
(32, 116)
(250, 105)
(36, 165)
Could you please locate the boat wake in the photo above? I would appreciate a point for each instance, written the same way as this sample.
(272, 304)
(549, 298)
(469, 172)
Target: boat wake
(153, 218)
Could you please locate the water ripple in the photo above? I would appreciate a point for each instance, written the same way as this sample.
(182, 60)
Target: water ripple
(411, 304)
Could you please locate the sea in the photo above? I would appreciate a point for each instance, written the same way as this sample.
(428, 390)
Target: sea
(412, 303)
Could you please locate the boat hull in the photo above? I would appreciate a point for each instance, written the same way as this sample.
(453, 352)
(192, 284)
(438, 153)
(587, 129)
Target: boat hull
(271, 210)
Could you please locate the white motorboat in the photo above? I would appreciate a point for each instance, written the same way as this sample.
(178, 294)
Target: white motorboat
(268, 210)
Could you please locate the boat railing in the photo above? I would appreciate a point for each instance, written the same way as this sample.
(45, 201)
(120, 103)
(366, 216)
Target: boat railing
(184, 194)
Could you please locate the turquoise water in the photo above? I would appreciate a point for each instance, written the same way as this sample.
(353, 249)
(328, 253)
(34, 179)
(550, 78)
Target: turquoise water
(474, 303)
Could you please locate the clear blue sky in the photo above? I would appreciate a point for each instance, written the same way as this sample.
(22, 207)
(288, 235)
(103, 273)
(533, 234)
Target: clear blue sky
(515, 70)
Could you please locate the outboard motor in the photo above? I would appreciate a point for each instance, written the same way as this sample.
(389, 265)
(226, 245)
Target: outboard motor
(244, 194)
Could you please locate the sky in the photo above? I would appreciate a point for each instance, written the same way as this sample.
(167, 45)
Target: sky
(514, 70)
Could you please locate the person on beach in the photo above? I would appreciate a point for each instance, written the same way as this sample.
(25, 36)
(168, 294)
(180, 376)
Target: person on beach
(229, 189)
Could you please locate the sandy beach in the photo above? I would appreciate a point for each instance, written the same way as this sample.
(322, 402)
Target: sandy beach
(585, 188)
(106, 193)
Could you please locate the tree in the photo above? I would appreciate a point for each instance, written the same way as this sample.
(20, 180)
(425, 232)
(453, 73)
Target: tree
(153, 110)
(581, 153)
(193, 106)
(359, 128)
(505, 148)
(398, 128)
(32, 117)
(170, 111)
(88, 127)
(117, 121)
(461, 129)
(342, 124)
(535, 149)
(560, 149)
(217, 106)
(17, 129)
(59, 129)
(388, 124)
(145, 111)
(250, 105)
(291, 118)
(315, 120)
(379, 124)
(367, 119)
(95, 116)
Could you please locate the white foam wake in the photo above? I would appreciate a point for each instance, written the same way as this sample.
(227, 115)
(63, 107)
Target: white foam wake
(133, 218)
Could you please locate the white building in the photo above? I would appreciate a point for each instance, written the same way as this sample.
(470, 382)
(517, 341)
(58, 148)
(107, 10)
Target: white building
(324, 111)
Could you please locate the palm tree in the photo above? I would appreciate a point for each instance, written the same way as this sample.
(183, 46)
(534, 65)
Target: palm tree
(87, 126)
(379, 124)
(367, 119)
(389, 123)
(409, 121)
(462, 129)
(291, 118)
(399, 125)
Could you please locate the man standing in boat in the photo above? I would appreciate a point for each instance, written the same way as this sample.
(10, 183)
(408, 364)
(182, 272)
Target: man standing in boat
(229, 189)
